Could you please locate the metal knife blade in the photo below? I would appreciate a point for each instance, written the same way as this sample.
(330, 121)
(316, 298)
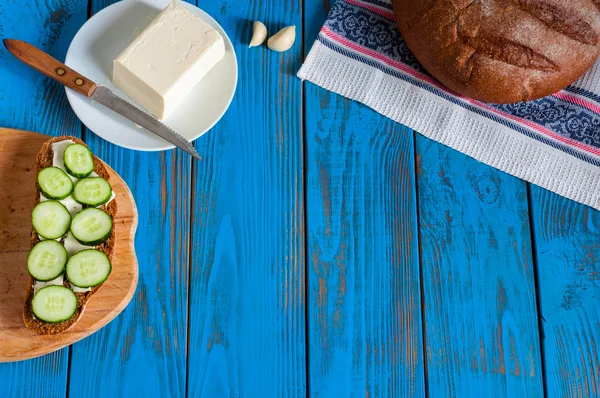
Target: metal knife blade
(105, 97)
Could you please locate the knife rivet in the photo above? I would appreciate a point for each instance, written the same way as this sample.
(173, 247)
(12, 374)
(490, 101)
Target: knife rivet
(79, 82)
(60, 71)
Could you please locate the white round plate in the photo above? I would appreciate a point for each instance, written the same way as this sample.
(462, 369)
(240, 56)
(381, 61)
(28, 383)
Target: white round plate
(102, 39)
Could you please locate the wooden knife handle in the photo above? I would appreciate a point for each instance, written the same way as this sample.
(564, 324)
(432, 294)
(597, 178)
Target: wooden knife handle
(49, 66)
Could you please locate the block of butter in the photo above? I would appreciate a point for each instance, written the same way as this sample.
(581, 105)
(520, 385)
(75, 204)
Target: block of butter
(167, 59)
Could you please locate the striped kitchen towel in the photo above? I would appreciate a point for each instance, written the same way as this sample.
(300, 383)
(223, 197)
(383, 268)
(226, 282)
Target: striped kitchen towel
(553, 142)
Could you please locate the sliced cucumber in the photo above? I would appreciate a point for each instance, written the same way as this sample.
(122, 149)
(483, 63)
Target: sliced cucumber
(51, 219)
(46, 261)
(88, 268)
(92, 191)
(91, 226)
(79, 161)
(54, 183)
(54, 304)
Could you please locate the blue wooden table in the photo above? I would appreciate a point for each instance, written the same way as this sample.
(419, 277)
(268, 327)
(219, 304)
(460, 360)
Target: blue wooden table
(319, 249)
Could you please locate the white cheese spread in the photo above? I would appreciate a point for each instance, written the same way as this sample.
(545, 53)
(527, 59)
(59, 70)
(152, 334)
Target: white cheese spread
(167, 59)
(38, 284)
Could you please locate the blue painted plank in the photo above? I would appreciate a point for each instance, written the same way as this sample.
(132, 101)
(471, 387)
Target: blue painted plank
(567, 245)
(365, 329)
(25, 379)
(364, 302)
(246, 330)
(29, 101)
(142, 353)
(482, 337)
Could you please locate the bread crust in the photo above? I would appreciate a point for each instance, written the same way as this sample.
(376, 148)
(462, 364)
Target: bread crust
(44, 159)
(502, 51)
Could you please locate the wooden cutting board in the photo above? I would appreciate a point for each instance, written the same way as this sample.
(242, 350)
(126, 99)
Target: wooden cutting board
(18, 150)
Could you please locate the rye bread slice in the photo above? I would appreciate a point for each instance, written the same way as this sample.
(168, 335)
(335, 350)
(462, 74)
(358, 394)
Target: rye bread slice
(44, 159)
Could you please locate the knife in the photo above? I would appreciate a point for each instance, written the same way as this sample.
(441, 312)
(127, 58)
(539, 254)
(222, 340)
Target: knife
(66, 76)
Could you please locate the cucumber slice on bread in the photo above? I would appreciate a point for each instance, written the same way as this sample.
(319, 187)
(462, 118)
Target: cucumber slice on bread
(91, 226)
(51, 219)
(88, 268)
(47, 260)
(92, 191)
(54, 304)
(78, 160)
(54, 183)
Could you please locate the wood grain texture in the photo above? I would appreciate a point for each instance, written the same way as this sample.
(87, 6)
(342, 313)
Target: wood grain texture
(47, 373)
(142, 353)
(246, 297)
(18, 193)
(478, 281)
(247, 304)
(364, 302)
(365, 329)
(567, 246)
(28, 100)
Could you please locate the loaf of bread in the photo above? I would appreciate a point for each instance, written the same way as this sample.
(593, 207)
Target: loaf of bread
(44, 159)
(502, 51)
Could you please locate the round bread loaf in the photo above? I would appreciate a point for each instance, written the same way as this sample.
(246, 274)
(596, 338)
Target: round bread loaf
(502, 51)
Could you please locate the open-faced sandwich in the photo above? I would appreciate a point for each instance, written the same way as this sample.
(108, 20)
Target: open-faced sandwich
(72, 241)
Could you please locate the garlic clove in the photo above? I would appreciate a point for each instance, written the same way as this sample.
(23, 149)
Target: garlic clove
(282, 40)
(259, 34)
